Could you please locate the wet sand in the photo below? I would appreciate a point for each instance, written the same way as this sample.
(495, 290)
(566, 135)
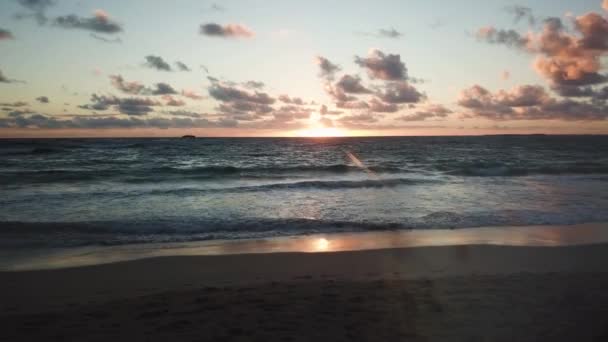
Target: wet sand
(531, 236)
(459, 293)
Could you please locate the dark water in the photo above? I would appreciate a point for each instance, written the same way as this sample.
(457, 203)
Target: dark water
(69, 192)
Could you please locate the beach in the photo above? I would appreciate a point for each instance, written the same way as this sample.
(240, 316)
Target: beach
(438, 293)
(229, 171)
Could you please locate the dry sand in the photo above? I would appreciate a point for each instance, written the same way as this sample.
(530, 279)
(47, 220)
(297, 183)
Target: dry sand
(459, 293)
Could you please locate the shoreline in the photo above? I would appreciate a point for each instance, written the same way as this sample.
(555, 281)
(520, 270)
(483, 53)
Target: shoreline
(436, 293)
(24, 259)
(53, 288)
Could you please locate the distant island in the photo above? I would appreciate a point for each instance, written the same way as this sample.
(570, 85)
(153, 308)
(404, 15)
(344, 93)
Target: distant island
(188, 136)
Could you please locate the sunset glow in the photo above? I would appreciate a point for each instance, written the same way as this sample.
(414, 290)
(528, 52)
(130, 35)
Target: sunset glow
(517, 69)
(318, 132)
(321, 245)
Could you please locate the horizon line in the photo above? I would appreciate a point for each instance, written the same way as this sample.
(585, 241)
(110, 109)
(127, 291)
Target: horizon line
(313, 138)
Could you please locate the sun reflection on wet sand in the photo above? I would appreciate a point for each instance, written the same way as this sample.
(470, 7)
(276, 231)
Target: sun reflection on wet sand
(546, 236)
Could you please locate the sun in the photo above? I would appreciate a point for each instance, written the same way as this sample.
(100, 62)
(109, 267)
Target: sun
(318, 132)
(321, 245)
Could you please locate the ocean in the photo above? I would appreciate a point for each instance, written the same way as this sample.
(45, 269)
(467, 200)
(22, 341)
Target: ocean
(81, 192)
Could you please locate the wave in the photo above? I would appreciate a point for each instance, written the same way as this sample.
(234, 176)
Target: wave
(70, 234)
(29, 151)
(108, 233)
(159, 174)
(50, 176)
(43, 150)
(342, 184)
(209, 173)
(514, 171)
(302, 185)
(334, 168)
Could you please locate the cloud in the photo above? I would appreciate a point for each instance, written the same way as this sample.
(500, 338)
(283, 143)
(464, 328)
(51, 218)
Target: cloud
(573, 91)
(283, 122)
(184, 113)
(576, 91)
(129, 106)
(385, 33)
(4, 79)
(324, 111)
(505, 75)
(605, 5)
(289, 113)
(182, 67)
(343, 90)
(574, 60)
(173, 102)
(136, 88)
(106, 40)
(389, 33)
(36, 5)
(326, 122)
(100, 22)
(136, 106)
(14, 104)
(226, 31)
(157, 62)
(431, 112)
(229, 94)
(328, 69)
(351, 94)
(162, 89)
(520, 96)
(37, 9)
(6, 34)
(295, 100)
(126, 87)
(244, 117)
(191, 95)
(241, 103)
(594, 30)
(564, 56)
(18, 112)
(241, 107)
(401, 92)
(337, 94)
(506, 37)
(42, 99)
(528, 102)
(254, 85)
(359, 118)
(216, 7)
(111, 122)
(352, 85)
(521, 13)
(355, 104)
(384, 67)
(378, 106)
(100, 102)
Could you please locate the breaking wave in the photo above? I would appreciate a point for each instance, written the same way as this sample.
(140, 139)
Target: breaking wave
(70, 234)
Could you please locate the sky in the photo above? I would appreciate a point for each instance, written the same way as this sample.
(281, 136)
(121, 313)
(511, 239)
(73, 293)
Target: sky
(76, 68)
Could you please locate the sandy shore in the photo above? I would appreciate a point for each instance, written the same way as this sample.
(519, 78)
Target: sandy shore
(20, 259)
(468, 292)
